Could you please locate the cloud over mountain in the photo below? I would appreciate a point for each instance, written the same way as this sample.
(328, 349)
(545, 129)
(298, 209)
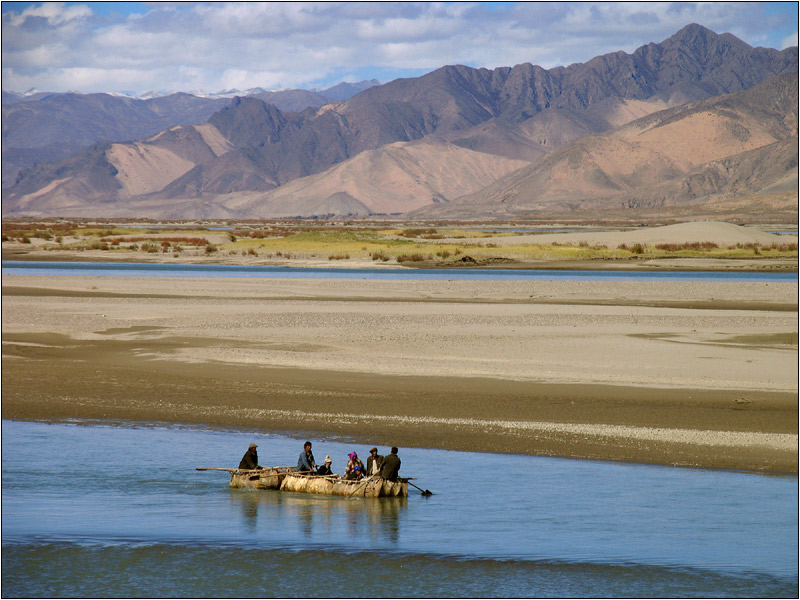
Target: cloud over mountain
(187, 46)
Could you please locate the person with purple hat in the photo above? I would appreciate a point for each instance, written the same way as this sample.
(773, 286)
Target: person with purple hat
(355, 468)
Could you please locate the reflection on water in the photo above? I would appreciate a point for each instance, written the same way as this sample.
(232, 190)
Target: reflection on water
(319, 516)
(529, 526)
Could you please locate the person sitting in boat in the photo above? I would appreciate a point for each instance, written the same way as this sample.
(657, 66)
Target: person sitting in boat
(306, 464)
(355, 468)
(326, 468)
(250, 458)
(374, 462)
(390, 466)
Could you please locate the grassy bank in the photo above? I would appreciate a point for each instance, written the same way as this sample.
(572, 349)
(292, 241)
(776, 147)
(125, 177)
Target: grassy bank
(287, 241)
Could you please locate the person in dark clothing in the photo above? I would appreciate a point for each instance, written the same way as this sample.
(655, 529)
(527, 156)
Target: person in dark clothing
(390, 466)
(374, 462)
(250, 459)
(306, 464)
(326, 468)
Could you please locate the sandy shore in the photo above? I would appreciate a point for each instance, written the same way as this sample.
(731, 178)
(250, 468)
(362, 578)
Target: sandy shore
(680, 373)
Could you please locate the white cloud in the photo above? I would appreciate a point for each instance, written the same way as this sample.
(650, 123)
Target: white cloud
(55, 13)
(214, 45)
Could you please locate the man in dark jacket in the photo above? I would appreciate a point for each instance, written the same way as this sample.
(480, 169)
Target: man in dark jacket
(326, 468)
(390, 466)
(374, 462)
(306, 464)
(250, 459)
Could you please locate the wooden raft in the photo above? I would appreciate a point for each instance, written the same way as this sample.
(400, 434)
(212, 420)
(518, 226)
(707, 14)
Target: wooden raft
(373, 487)
(288, 480)
(269, 478)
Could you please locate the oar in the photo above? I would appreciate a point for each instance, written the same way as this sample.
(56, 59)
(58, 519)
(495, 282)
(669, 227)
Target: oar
(424, 492)
(228, 470)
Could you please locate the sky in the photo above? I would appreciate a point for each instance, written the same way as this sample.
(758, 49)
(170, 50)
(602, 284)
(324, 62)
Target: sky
(139, 47)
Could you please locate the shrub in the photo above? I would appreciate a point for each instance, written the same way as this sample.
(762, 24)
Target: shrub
(189, 241)
(412, 233)
(413, 257)
(687, 246)
(210, 249)
(339, 256)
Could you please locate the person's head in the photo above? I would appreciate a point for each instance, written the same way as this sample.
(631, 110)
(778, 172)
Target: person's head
(307, 445)
(252, 447)
(394, 449)
(328, 460)
(373, 451)
(352, 456)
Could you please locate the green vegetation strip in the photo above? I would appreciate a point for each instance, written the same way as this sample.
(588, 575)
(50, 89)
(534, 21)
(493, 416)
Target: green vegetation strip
(409, 245)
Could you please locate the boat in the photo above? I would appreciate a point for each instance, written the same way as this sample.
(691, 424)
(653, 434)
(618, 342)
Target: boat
(268, 478)
(287, 479)
(371, 487)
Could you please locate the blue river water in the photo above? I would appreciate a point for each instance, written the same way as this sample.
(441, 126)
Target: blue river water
(252, 271)
(95, 509)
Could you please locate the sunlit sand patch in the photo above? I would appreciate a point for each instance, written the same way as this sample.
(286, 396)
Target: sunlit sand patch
(775, 441)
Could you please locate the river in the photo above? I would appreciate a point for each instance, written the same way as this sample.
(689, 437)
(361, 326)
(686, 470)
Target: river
(462, 274)
(115, 509)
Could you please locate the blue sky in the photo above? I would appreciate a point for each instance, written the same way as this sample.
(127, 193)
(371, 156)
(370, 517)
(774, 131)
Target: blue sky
(137, 47)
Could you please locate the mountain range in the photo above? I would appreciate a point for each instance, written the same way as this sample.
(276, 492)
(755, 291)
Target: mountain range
(41, 126)
(697, 122)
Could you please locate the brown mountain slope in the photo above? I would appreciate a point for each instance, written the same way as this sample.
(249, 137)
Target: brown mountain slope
(679, 156)
(395, 178)
(56, 126)
(110, 174)
(552, 127)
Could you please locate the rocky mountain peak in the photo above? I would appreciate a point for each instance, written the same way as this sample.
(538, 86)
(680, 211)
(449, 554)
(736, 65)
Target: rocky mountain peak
(249, 122)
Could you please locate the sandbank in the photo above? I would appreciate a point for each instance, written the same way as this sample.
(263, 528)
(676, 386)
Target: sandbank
(700, 374)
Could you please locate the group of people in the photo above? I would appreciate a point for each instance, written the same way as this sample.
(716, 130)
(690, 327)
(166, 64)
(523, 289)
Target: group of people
(386, 467)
